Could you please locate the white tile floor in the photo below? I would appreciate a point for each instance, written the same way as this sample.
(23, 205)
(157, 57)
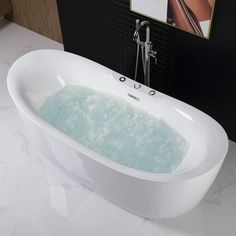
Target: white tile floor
(37, 200)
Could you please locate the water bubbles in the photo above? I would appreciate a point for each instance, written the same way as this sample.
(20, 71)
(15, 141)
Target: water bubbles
(115, 129)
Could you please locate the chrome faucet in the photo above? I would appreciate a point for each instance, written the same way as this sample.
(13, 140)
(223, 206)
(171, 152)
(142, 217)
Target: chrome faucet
(146, 49)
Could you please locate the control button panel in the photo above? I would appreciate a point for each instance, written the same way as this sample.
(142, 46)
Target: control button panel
(137, 86)
(152, 92)
(122, 79)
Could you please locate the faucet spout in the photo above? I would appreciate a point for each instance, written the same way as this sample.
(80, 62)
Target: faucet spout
(139, 26)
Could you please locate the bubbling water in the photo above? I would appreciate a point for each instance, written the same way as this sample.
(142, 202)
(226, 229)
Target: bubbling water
(115, 129)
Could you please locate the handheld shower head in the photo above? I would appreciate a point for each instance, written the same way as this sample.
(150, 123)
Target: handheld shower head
(139, 26)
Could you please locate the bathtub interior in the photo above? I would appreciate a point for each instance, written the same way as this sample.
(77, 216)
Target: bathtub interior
(42, 73)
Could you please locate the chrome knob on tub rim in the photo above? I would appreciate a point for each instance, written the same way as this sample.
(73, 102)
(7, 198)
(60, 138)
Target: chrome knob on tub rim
(36, 75)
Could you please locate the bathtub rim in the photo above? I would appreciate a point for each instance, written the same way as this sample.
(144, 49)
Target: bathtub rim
(57, 134)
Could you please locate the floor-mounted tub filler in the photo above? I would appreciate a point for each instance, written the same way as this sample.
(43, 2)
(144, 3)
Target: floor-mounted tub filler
(142, 150)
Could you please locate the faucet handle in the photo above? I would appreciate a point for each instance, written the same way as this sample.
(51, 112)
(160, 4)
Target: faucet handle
(152, 53)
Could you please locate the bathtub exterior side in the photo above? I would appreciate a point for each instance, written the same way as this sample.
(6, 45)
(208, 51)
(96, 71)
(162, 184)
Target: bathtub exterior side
(150, 199)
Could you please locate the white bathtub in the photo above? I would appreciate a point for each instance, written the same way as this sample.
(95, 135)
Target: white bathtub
(39, 74)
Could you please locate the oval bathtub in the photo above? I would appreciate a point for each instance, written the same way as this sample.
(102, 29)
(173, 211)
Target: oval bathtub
(39, 74)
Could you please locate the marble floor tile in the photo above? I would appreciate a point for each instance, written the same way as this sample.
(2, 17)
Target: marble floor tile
(97, 216)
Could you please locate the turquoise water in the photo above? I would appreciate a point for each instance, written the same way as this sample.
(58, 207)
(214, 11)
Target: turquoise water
(112, 127)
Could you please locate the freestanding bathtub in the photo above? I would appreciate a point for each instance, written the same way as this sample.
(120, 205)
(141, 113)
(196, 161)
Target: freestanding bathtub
(41, 73)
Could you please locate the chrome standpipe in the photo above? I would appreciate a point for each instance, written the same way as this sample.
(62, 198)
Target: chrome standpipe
(146, 50)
